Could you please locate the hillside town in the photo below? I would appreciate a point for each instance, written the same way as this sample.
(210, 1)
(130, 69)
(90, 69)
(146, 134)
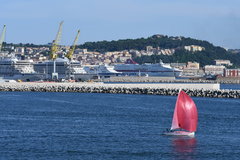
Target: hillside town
(87, 58)
(57, 62)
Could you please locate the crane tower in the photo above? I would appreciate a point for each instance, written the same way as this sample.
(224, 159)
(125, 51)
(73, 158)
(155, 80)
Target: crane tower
(54, 49)
(2, 37)
(55, 43)
(72, 49)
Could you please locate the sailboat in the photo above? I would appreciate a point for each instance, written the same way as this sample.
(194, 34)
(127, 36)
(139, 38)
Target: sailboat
(185, 117)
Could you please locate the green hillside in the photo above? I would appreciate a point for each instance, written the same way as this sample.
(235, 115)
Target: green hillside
(181, 55)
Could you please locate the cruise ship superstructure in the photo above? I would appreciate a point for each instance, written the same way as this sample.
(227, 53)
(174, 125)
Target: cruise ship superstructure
(66, 69)
(13, 69)
(103, 71)
(131, 68)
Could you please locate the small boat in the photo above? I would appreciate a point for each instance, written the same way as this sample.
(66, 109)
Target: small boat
(185, 117)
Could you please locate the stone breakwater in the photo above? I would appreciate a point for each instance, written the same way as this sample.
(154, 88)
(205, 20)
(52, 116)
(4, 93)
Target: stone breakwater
(195, 90)
(222, 80)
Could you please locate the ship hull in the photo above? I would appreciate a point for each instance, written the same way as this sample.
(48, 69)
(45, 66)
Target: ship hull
(150, 73)
(179, 133)
(160, 69)
(22, 77)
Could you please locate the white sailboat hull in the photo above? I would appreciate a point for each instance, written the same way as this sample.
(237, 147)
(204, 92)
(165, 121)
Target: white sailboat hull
(180, 133)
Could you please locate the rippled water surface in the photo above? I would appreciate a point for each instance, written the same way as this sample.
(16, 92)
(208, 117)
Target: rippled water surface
(230, 86)
(107, 126)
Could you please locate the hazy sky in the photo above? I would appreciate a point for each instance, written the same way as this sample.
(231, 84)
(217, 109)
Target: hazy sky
(36, 21)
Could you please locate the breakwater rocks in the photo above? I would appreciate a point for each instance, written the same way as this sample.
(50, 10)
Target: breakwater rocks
(119, 89)
(131, 79)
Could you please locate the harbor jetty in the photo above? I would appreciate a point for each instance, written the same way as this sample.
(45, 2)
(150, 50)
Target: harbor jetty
(132, 79)
(195, 90)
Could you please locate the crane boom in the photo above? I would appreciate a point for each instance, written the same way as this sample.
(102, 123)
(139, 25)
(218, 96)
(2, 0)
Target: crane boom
(2, 36)
(55, 44)
(72, 49)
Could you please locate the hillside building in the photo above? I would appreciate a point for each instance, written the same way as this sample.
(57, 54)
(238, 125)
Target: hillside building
(193, 65)
(214, 70)
(232, 73)
(194, 48)
(223, 62)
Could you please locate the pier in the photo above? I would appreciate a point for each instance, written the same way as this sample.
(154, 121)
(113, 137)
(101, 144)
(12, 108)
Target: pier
(119, 79)
(167, 89)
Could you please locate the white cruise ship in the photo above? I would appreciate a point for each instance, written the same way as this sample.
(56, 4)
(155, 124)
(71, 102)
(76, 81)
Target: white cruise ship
(103, 71)
(13, 69)
(131, 68)
(64, 68)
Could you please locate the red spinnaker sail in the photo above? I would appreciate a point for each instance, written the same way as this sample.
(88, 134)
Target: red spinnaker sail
(185, 113)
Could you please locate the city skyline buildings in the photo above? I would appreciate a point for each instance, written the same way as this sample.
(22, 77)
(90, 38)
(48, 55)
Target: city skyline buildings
(31, 21)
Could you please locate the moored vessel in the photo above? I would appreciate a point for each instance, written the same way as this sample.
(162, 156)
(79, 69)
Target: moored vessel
(132, 68)
(66, 69)
(13, 69)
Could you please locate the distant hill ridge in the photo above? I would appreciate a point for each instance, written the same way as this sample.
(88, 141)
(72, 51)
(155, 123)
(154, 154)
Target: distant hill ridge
(158, 40)
(204, 57)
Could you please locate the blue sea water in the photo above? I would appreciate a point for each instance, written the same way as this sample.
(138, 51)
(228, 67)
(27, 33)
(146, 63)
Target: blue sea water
(230, 86)
(37, 125)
